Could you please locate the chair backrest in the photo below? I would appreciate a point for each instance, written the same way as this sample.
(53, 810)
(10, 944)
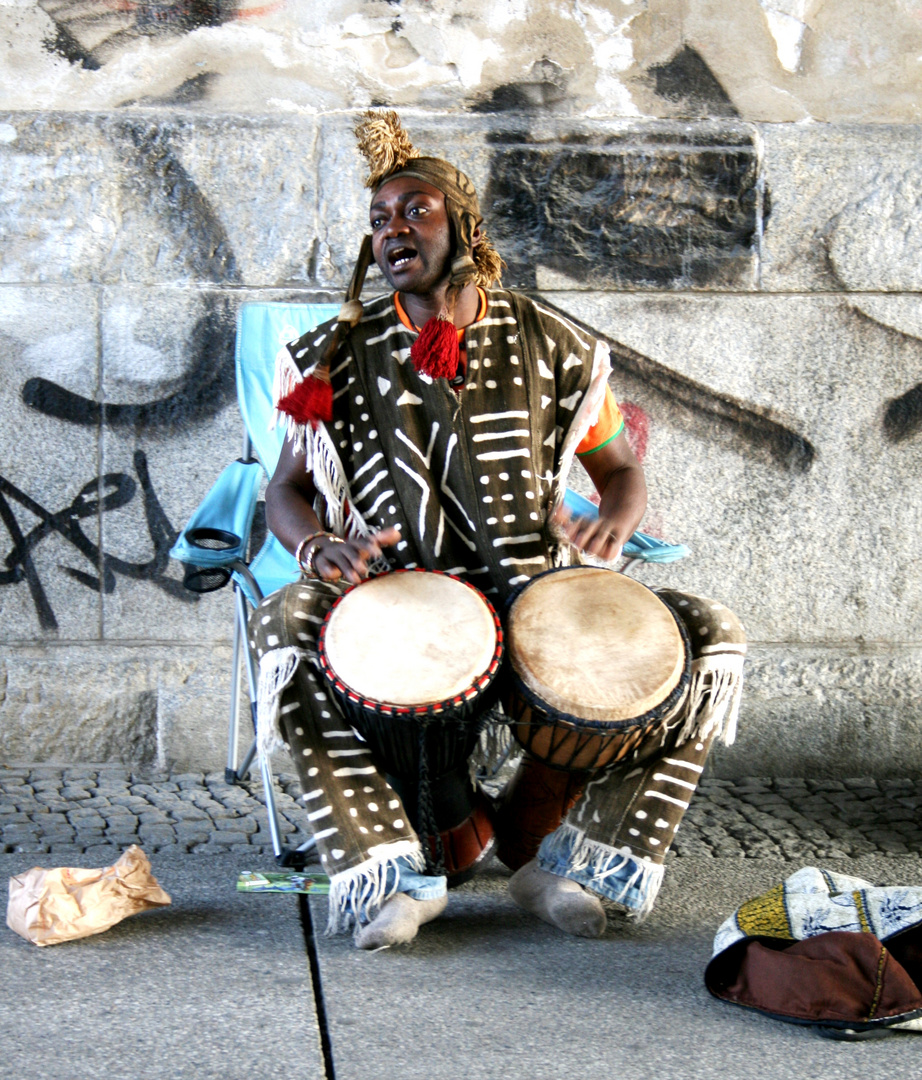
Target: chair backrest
(263, 329)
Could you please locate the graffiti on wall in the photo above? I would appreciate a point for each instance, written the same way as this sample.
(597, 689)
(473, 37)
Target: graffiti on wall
(101, 495)
(92, 32)
(665, 209)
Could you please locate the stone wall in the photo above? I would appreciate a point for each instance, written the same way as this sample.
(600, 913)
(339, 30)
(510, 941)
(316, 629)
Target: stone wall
(728, 191)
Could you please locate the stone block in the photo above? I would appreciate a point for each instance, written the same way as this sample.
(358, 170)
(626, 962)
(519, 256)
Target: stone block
(272, 233)
(115, 704)
(193, 711)
(79, 703)
(600, 205)
(157, 199)
(843, 209)
(49, 536)
(92, 198)
(761, 426)
(172, 426)
(815, 710)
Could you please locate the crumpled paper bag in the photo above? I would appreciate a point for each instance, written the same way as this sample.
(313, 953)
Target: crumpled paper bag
(47, 907)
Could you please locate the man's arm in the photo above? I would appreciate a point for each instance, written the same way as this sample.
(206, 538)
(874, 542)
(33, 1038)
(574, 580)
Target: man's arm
(618, 478)
(290, 515)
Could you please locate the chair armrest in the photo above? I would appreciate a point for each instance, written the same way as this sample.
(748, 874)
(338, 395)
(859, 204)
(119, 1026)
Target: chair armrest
(218, 532)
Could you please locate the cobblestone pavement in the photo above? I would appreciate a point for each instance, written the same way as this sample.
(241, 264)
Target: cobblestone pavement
(93, 809)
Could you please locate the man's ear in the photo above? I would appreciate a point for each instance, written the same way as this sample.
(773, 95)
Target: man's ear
(476, 237)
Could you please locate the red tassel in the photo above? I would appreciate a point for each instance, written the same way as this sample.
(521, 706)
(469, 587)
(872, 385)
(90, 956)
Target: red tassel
(311, 400)
(435, 352)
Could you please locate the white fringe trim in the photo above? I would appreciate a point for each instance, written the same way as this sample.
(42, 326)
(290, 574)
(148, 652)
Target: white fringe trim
(285, 379)
(326, 469)
(586, 415)
(356, 894)
(276, 670)
(596, 864)
(714, 697)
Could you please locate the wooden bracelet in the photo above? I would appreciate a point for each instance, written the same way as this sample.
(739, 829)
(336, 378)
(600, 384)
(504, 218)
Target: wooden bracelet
(299, 551)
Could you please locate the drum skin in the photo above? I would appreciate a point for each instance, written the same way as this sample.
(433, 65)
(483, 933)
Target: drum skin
(413, 658)
(598, 661)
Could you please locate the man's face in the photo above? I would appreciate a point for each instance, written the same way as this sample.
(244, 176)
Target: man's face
(411, 235)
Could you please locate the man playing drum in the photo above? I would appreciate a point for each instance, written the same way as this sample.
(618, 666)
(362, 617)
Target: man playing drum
(434, 428)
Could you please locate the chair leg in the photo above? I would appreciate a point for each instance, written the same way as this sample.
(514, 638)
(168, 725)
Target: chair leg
(231, 772)
(284, 856)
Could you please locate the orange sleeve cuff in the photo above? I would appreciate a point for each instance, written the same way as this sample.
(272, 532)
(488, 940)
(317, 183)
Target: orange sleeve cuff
(609, 426)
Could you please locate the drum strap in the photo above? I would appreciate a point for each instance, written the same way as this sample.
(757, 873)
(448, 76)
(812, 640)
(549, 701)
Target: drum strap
(426, 811)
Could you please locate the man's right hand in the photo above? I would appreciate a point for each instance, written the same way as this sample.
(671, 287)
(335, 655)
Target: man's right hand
(348, 559)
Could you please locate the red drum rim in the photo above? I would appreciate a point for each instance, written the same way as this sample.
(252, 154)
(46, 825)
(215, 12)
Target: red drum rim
(435, 708)
(603, 727)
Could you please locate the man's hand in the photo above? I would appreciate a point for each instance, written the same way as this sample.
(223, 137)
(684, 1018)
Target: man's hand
(595, 536)
(348, 559)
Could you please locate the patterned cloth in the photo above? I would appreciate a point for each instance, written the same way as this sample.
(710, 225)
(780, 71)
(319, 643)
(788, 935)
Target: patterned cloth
(812, 950)
(470, 480)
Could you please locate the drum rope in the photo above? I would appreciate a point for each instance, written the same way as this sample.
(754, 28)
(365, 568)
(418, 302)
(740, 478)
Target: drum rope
(425, 811)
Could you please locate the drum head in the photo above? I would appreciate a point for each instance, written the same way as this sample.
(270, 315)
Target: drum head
(410, 639)
(594, 644)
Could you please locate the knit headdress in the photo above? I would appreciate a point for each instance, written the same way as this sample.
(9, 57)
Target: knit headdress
(390, 154)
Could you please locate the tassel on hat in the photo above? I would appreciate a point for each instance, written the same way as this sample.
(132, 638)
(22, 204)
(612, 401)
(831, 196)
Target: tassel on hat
(384, 144)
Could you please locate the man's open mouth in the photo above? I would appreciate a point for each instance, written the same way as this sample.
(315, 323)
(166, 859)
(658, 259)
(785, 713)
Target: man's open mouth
(400, 257)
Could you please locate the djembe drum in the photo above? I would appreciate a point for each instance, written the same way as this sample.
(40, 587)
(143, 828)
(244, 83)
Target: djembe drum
(413, 658)
(599, 665)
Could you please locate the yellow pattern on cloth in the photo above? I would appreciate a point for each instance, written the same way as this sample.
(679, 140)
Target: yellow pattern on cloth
(765, 916)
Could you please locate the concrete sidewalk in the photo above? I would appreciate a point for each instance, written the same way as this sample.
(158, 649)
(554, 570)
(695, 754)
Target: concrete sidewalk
(217, 986)
(489, 991)
(220, 983)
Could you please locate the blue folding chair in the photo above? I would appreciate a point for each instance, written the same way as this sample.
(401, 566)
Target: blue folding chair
(215, 544)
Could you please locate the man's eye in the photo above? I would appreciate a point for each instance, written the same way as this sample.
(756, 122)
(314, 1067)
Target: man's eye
(418, 211)
(377, 222)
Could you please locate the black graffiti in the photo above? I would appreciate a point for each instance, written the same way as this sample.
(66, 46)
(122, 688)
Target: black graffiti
(207, 387)
(761, 432)
(101, 495)
(688, 82)
(163, 187)
(91, 33)
(202, 252)
(903, 415)
(544, 87)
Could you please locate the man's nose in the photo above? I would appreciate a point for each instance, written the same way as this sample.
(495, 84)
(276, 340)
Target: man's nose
(398, 224)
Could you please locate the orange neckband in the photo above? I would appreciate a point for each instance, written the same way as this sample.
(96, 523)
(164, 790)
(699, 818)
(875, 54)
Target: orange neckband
(410, 325)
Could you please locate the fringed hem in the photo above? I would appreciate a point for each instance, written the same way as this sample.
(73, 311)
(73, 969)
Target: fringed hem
(276, 670)
(714, 697)
(615, 873)
(356, 894)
